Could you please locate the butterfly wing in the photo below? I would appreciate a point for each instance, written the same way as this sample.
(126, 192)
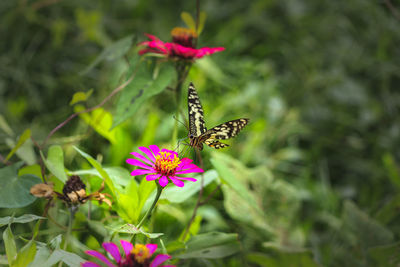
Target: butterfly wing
(215, 143)
(196, 114)
(228, 129)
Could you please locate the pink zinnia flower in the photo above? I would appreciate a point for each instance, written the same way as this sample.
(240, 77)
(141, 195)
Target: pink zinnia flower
(163, 165)
(182, 45)
(135, 255)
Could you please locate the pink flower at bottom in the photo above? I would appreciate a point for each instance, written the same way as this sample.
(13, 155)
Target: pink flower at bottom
(135, 255)
(163, 165)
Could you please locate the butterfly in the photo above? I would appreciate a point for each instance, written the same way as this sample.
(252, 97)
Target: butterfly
(198, 133)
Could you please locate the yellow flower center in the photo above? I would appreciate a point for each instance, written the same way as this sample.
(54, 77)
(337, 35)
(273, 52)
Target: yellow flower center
(141, 253)
(166, 163)
(183, 36)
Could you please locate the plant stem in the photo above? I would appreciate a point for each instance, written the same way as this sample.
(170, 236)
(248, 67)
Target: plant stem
(72, 211)
(182, 70)
(198, 203)
(159, 190)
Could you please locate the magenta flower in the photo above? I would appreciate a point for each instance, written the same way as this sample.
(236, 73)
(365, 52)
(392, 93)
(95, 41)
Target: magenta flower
(182, 45)
(135, 255)
(163, 165)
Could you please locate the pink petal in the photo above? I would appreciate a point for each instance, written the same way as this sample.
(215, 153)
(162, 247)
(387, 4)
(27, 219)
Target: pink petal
(186, 161)
(147, 152)
(151, 50)
(141, 172)
(151, 37)
(177, 182)
(163, 181)
(139, 156)
(186, 166)
(155, 149)
(100, 257)
(152, 248)
(152, 177)
(138, 163)
(159, 259)
(204, 51)
(186, 178)
(89, 264)
(113, 250)
(126, 246)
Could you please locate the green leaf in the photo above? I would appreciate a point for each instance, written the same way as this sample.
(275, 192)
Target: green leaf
(176, 194)
(55, 162)
(14, 190)
(26, 255)
(282, 258)
(68, 258)
(80, 97)
(131, 229)
(97, 228)
(144, 85)
(188, 19)
(211, 246)
(100, 120)
(388, 254)
(22, 139)
(128, 203)
(368, 231)
(228, 173)
(202, 22)
(31, 169)
(22, 219)
(114, 51)
(5, 127)
(120, 176)
(42, 254)
(392, 169)
(55, 243)
(100, 169)
(213, 71)
(145, 190)
(193, 230)
(9, 243)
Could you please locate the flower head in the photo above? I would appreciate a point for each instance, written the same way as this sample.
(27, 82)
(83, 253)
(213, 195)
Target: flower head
(135, 255)
(163, 165)
(181, 47)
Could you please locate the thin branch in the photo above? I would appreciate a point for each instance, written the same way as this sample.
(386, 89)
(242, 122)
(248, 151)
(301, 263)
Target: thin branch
(197, 14)
(210, 195)
(198, 203)
(115, 91)
(40, 4)
(393, 9)
(3, 159)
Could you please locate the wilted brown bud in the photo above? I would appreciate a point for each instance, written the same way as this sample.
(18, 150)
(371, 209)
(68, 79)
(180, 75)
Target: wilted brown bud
(42, 190)
(74, 190)
(101, 197)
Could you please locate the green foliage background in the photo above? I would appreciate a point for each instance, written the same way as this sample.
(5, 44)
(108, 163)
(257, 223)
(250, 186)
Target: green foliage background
(312, 181)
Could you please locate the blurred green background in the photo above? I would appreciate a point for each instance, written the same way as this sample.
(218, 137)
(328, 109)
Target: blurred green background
(320, 158)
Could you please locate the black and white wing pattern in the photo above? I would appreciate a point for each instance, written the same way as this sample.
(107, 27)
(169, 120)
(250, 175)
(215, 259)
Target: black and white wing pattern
(196, 114)
(198, 133)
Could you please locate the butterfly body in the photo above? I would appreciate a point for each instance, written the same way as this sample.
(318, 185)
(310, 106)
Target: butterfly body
(198, 133)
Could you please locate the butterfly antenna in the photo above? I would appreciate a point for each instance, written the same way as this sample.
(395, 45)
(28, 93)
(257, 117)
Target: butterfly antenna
(179, 142)
(184, 125)
(185, 149)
